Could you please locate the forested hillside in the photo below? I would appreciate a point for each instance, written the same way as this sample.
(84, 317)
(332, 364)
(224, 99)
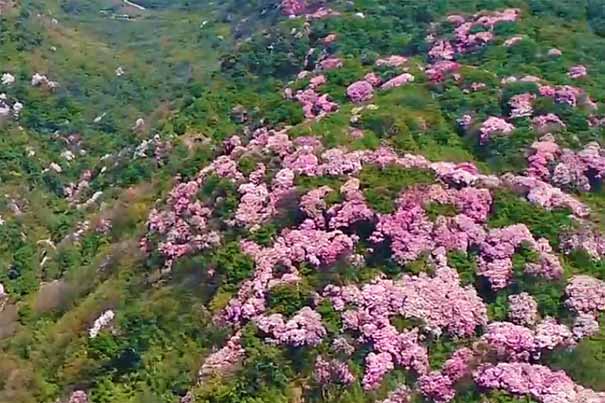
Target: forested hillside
(302, 201)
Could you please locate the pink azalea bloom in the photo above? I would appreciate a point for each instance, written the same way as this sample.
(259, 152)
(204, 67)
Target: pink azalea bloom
(398, 81)
(576, 72)
(494, 125)
(331, 63)
(392, 61)
(360, 91)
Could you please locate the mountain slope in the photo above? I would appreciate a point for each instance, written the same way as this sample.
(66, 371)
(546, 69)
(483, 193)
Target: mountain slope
(360, 201)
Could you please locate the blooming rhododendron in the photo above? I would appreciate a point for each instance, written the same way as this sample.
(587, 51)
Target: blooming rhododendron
(377, 366)
(392, 61)
(585, 325)
(545, 151)
(585, 294)
(303, 329)
(586, 239)
(315, 105)
(398, 81)
(510, 341)
(293, 7)
(373, 79)
(399, 395)
(522, 309)
(317, 81)
(459, 364)
(437, 386)
(331, 63)
(495, 259)
(544, 194)
(360, 91)
(223, 360)
(547, 122)
(549, 334)
(521, 105)
(78, 396)
(437, 72)
(576, 72)
(494, 125)
(537, 381)
(332, 371)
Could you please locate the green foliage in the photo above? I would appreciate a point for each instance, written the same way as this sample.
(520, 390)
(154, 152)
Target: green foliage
(381, 187)
(265, 235)
(585, 363)
(498, 310)
(222, 193)
(580, 262)
(439, 351)
(232, 264)
(509, 209)
(288, 299)
(329, 317)
(465, 264)
(434, 210)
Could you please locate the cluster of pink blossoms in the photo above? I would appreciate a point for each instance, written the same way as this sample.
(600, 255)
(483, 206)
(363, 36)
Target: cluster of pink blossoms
(521, 105)
(293, 7)
(183, 226)
(411, 233)
(522, 309)
(438, 71)
(494, 125)
(585, 325)
(307, 244)
(391, 61)
(544, 194)
(439, 385)
(518, 343)
(570, 169)
(400, 395)
(360, 91)
(223, 360)
(585, 294)
(578, 169)
(331, 63)
(437, 300)
(537, 381)
(257, 203)
(499, 247)
(315, 105)
(440, 302)
(374, 304)
(309, 8)
(543, 154)
(78, 396)
(547, 123)
(466, 39)
(332, 371)
(586, 239)
(564, 94)
(398, 81)
(576, 72)
(303, 329)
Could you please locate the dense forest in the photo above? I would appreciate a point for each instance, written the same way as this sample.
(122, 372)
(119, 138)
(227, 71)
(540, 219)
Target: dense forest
(249, 201)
